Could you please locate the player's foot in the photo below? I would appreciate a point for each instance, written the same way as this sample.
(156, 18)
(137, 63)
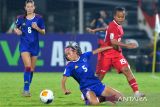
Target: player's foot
(87, 102)
(138, 94)
(26, 94)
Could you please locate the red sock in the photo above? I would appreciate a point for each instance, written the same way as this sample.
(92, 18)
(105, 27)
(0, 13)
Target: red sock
(28, 69)
(133, 85)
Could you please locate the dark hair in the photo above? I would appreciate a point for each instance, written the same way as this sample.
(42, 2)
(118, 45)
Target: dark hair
(75, 48)
(29, 1)
(121, 9)
(25, 14)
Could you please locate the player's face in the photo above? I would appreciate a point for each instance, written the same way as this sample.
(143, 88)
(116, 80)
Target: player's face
(30, 8)
(71, 55)
(119, 17)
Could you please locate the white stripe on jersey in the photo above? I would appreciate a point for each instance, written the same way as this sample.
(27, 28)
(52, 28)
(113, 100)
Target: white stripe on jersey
(112, 36)
(105, 36)
(64, 71)
(17, 20)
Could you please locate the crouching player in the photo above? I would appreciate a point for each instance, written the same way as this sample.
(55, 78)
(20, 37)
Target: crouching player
(79, 68)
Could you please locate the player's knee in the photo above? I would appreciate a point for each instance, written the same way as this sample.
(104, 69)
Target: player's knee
(126, 71)
(32, 69)
(28, 69)
(92, 98)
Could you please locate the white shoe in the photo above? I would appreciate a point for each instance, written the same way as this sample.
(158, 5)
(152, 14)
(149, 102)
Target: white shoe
(138, 94)
(26, 94)
(82, 97)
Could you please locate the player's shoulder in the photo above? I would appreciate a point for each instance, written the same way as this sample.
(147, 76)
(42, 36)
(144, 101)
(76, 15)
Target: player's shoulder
(86, 54)
(38, 16)
(20, 16)
(69, 64)
(112, 26)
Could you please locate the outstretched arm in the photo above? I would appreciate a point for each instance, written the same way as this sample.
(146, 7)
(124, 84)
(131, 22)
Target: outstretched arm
(63, 86)
(129, 46)
(101, 49)
(96, 30)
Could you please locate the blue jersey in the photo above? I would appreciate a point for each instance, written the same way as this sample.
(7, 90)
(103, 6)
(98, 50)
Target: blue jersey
(29, 40)
(81, 71)
(101, 34)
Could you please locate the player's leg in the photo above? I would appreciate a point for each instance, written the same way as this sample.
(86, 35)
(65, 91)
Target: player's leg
(111, 94)
(103, 66)
(27, 64)
(98, 67)
(122, 66)
(132, 81)
(33, 64)
(92, 98)
(104, 93)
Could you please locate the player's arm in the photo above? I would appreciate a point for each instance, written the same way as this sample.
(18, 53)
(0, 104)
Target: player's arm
(96, 30)
(114, 39)
(35, 26)
(63, 85)
(41, 31)
(101, 49)
(17, 27)
(17, 31)
(129, 46)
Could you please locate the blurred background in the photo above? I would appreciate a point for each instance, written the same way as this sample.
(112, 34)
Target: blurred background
(71, 18)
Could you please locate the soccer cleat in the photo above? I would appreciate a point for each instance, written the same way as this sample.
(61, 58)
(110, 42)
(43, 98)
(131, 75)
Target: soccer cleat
(26, 94)
(138, 95)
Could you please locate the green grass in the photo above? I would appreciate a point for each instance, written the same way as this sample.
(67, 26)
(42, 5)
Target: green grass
(11, 85)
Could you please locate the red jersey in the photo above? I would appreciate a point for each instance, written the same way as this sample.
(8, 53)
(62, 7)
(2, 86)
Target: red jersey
(114, 31)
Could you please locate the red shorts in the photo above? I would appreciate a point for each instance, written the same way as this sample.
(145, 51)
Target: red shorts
(106, 62)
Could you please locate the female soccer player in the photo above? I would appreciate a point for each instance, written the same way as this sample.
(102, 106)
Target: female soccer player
(79, 68)
(114, 57)
(28, 27)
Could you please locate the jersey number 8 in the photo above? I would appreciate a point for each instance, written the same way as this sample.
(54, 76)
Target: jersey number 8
(29, 30)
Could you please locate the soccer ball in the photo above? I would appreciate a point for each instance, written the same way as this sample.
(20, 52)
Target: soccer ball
(132, 41)
(46, 96)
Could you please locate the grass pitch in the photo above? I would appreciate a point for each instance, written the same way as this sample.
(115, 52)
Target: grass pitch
(11, 86)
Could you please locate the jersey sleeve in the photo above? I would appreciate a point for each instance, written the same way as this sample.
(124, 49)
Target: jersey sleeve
(113, 33)
(88, 54)
(67, 71)
(41, 23)
(18, 22)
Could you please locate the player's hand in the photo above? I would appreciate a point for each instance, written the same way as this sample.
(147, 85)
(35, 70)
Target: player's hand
(67, 92)
(90, 30)
(34, 25)
(131, 46)
(17, 31)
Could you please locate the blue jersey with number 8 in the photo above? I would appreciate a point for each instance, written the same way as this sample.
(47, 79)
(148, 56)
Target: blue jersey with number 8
(29, 40)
